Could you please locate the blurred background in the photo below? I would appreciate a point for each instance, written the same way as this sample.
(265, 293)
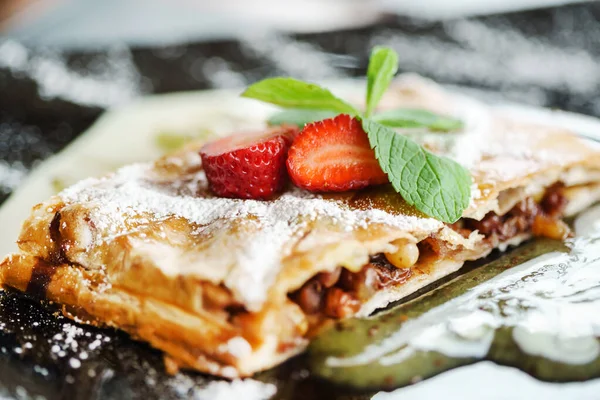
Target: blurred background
(63, 62)
(84, 23)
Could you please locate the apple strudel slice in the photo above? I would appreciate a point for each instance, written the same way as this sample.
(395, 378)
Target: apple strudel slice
(231, 287)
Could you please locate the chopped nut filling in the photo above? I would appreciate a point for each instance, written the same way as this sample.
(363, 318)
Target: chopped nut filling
(339, 294)
(542, 219)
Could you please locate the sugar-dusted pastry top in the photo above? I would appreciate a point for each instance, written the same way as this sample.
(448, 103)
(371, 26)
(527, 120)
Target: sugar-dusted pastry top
(243, 243)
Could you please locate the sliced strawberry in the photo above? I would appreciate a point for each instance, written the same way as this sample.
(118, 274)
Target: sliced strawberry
(333, 155)
(249, 165)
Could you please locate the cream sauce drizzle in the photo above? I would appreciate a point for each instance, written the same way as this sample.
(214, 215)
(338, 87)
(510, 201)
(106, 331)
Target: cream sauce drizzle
(490, 381)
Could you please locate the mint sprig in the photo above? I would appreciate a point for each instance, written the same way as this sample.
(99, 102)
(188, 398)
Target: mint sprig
(435, 185)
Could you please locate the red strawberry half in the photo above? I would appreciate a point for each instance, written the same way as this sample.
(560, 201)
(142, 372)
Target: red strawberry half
(333, 155)
(249, 165)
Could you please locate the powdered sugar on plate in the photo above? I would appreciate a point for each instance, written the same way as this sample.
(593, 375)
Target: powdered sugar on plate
(42, 337)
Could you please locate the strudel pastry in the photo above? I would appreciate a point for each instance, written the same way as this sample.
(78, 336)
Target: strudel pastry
(231, 287)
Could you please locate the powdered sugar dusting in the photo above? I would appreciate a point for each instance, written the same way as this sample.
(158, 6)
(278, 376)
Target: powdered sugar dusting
(129, 192)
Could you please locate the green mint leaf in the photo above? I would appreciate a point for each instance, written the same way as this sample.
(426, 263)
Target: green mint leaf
(383, 65)
(292, 93)
(435, 185)
(300, 117)
(413, 118)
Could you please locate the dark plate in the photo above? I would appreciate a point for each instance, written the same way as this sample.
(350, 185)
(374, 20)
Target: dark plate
(547, 57)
